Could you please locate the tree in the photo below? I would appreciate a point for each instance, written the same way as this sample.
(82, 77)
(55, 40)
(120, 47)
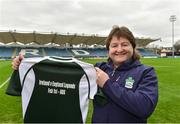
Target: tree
(177, 46)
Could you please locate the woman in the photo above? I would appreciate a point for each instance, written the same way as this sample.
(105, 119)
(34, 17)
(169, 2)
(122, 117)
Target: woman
(128, 90)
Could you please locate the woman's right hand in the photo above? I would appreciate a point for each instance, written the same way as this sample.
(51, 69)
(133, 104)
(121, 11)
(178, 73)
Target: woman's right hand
(16, 61)
(102, 77)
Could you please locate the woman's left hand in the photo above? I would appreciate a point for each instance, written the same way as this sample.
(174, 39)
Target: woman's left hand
(102, 77)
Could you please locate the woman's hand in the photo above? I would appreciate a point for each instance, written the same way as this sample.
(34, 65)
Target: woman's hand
(102, 77)
(16, 61)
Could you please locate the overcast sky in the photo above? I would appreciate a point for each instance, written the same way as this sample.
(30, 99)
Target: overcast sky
(145, 18)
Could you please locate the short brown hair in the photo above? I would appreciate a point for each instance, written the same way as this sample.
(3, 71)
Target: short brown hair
(125, 33)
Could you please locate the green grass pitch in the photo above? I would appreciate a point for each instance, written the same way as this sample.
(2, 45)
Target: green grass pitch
(167, 110)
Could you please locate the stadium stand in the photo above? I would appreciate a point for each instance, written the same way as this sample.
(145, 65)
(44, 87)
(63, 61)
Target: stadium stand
(57, 52)
(6, 52)
(146, 53)
(11, 52)
(53, 44)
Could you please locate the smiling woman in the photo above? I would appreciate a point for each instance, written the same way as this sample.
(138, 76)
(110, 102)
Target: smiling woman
(120, 50)
(128, 90)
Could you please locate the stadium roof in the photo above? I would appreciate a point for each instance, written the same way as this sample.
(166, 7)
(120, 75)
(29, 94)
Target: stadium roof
(41, 39)
(60, 39)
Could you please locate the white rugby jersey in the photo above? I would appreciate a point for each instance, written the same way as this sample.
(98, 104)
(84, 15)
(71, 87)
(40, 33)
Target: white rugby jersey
(54, 89)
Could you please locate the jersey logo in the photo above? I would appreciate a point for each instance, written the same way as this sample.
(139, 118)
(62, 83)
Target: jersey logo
(129, 82)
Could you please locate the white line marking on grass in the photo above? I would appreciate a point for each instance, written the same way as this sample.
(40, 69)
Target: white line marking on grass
(4, 83)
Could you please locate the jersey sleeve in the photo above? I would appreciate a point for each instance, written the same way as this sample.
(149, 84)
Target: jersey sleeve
(14, 88)
(92, 79)
(15, 84)
(91, 75)
(90, 89)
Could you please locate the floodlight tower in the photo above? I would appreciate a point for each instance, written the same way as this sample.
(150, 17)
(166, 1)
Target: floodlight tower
(172, 19)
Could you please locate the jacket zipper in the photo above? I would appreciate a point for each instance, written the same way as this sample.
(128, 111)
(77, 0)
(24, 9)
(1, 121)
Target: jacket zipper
(114, 73)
